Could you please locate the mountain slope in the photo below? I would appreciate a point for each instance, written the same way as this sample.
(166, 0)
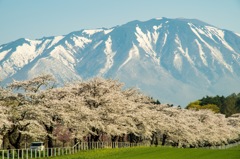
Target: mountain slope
(173, 60)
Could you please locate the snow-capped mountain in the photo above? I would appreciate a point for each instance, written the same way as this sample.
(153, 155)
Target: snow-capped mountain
(173, 60)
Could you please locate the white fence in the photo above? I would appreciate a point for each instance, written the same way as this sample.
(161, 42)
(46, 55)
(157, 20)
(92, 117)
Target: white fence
(33, 153)
(60, 151)
(224, 146)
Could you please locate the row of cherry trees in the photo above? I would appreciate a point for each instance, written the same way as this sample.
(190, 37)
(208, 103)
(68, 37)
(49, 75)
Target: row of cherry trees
(101, 107)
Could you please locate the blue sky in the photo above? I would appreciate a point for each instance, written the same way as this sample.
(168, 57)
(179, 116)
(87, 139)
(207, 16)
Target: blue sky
(38, 18)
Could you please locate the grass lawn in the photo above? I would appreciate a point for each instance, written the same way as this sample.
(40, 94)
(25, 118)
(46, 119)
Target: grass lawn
(155, 153)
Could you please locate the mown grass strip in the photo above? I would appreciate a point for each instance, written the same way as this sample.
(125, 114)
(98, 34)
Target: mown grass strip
(155, 153)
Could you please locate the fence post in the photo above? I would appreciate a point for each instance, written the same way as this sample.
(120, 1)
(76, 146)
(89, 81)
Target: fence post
(27, 153)
(18, 153)
(35, 153)
(44, 152)
(12, 153)
(22, 153)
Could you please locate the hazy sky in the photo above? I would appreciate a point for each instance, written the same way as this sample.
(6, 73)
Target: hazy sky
(38, 18)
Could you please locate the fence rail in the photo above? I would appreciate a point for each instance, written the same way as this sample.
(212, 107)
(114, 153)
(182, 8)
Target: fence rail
(60, 151)
(224, 146)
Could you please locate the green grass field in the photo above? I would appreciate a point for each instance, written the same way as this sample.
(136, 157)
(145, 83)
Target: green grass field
(155, 153)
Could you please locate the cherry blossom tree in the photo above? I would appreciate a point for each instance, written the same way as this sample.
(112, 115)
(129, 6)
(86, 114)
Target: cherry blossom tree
(22, 113)
(62, 134)
(110, 106)
(98, 107)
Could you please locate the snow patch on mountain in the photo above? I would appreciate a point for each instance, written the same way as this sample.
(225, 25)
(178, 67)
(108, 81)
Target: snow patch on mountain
(157, 27)
(237, 34)
(97, 44)
(65, 57)
(177, 61)
(81, 41)
(55, 41)
(220, 35)
(201, 53)
(109, 56)
(91, 32)
(184, 53)
(145, 42)
(165, 39)
(217, 55)
(108, 31)
(133, 53)
(23, 55)
(155, 36)
(4, 53)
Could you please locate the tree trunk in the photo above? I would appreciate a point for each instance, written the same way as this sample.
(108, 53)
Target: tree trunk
(76, 143)
(4, 141)
(49, 130)
(15, 138)
(50, 144)
(114, 139)
(153, 138)
(131, 137)
(50, 141)
(156, 140)
(164, 139)
(89, 142)
(95, 138)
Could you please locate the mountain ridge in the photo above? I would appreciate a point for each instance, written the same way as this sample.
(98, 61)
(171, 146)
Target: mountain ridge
(173, 60)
